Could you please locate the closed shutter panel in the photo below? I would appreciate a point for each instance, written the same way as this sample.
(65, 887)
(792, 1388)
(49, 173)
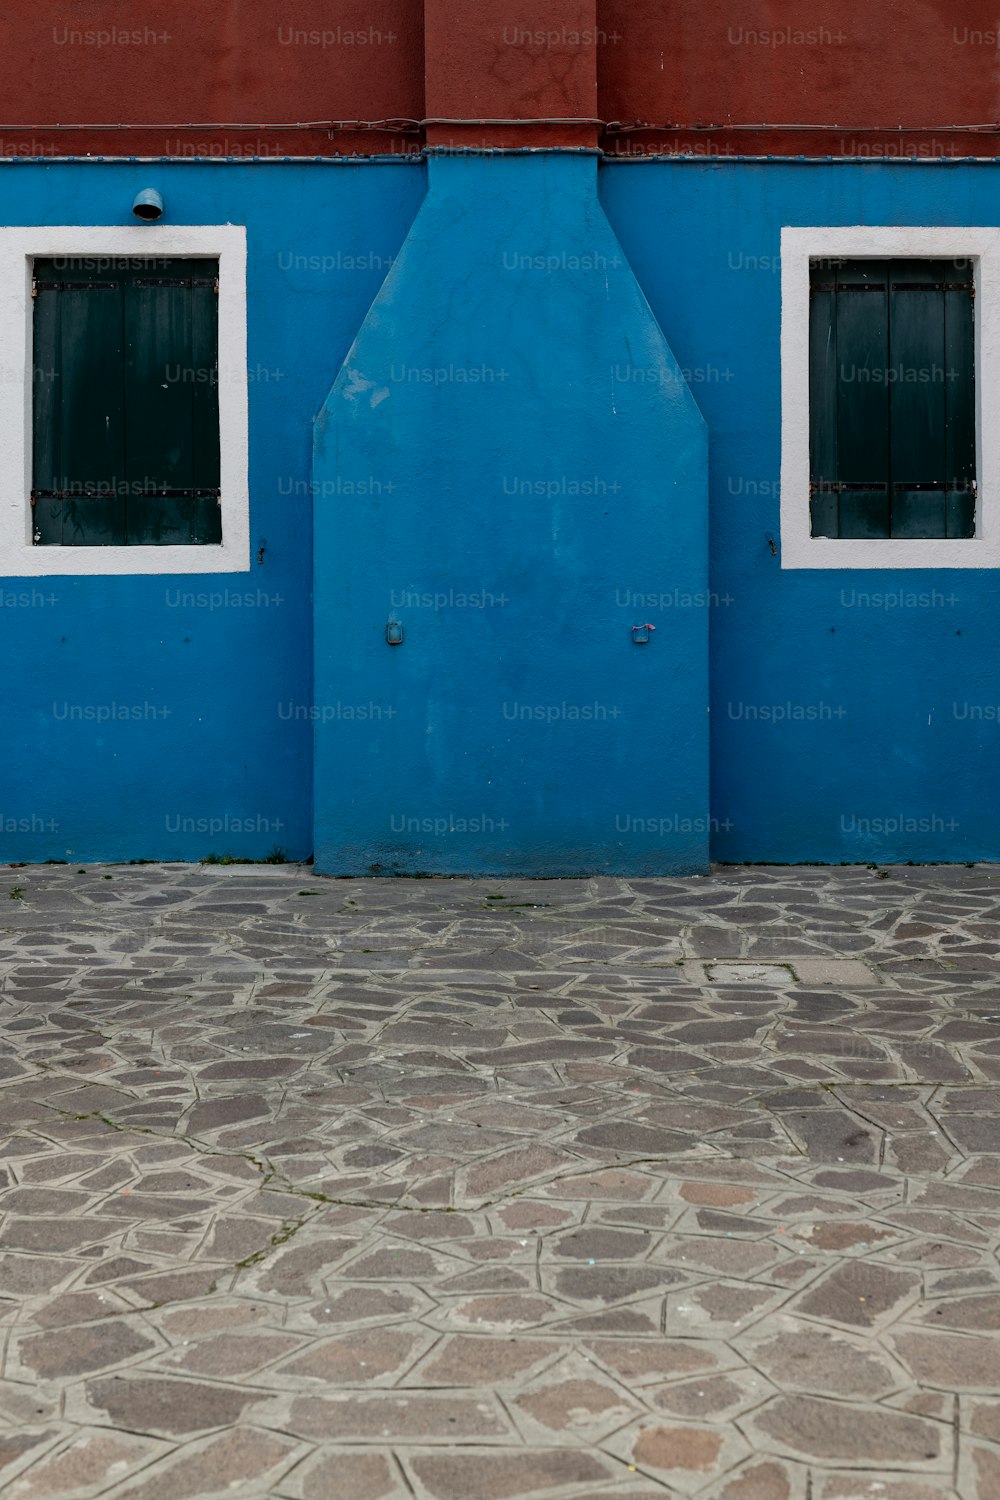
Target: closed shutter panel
(206, 520)
(824, 499)
(79, 429)
(126, 409)
(960, 403)
(892, 400)
(172, 406)
(863, 399)
(918, 397)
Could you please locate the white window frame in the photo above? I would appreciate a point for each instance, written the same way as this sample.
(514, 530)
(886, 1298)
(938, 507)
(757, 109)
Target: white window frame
(18, 249)
(799, 246)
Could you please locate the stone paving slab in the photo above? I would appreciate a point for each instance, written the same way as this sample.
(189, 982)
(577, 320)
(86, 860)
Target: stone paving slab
(499, 1190)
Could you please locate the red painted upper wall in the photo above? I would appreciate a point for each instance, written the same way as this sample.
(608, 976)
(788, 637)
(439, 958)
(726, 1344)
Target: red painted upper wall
(688, 73)
(849, 63)
(174, 62)
(500, 60)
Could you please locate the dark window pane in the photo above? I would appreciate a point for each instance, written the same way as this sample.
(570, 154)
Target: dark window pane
(126, 429)
(892, 399)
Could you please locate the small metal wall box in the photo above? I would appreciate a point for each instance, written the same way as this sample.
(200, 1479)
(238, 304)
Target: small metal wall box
(642, 634)
(394, 633)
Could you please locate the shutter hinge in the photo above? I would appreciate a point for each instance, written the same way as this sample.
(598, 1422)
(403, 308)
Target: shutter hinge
(215, 286)
(34, 287)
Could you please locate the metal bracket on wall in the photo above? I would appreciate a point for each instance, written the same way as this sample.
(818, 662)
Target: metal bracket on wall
(394, 633)
(642, 634)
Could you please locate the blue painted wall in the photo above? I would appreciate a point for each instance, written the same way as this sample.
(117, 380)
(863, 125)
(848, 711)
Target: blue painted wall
(170, 717)
(537, 446)
(854, 714)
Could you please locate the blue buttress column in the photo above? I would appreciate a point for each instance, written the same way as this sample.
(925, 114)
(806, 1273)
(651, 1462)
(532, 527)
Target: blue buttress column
(509, 462)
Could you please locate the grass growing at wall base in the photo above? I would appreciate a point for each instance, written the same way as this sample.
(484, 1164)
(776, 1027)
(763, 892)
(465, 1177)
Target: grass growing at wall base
(276, 857)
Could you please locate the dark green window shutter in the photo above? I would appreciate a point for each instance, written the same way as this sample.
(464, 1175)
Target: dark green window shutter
(126, 433)
(172, 407)
(79, 423)
(892, 399)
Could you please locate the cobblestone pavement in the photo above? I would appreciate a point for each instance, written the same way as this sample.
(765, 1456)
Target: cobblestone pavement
(343, 1190)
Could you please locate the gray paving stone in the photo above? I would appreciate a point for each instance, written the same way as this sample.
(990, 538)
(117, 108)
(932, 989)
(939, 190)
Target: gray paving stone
(961, 1361)
(392, 1192)
(233, 1461)
(859, 1293)
(15, 1446)
(403, 1418)
(229, 1354)
(858, 1487)
(813, 1359)
(504, 1476)
(84, 1466)
(766, 1480)
(79, 1351)
(823, 1430)
(144, 1404)
(348, 1476)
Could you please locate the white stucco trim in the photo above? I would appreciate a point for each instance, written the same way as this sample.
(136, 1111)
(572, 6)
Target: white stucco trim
(18, 248)
(798, 246)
